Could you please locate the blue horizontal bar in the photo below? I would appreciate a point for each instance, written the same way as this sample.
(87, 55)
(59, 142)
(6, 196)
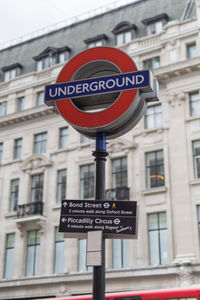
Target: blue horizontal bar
(93, 86)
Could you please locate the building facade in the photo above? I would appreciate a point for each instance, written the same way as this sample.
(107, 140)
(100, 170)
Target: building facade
(44, 160)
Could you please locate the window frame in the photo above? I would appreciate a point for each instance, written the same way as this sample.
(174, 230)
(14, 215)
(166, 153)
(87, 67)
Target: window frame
(195, 158)
(1, 152)
(40, 145)
(121, 172)
(153, 28)
(190, 54)
(20, 103)
(63, 137)
(58, 267)
(194, 102)
(61, 185)
(17, 153)
(36, 253)
(157, 167)
(87, 181)
(3, 108)
(198, 219)
(155, 116)
(40, 98)
(7, 250)
(159, 231)
(14, 195)
(124, 37)
(123, 260)
(149, 63)
(36, 193)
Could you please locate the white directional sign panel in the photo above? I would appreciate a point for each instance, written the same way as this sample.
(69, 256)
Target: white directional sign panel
(116, 219)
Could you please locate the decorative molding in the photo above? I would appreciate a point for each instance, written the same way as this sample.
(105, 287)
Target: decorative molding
(29, 223)
(35, 163)
(120, 145)
(185, 275)
(172, 99)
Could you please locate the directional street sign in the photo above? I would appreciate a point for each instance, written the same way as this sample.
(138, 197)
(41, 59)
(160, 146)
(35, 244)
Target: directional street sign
(117, 219)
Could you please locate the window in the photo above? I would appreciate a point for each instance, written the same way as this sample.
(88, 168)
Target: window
(123, 38)
(96, 41)
(198, 217)
(33, 249)
(14, 194)
(61, 185)
(37, 188)
(9, 255)
(40, 98)
(84, 139)
(17, 148)
(40, 143)
(155, 24)
(151, 63)
(59, 252)
(120, 253)
(63, 56)
(63, 138)
(158, 240)
(153, 117)
(45, 62)
(87, 181)
(1, 152)
(191, 50)
(194, 103)
(20, 104)
(196, 158)
(155, 28)
(124, 33)
(3, 108)
(51, 56)
(155, 169)
(119, 172)
(11, 71)
(95, 44)
(82, 256)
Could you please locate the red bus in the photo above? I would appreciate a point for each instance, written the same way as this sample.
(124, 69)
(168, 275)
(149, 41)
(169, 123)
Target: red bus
(172, 294)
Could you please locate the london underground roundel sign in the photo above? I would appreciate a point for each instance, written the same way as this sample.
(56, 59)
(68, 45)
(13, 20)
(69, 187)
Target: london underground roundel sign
(101, 90)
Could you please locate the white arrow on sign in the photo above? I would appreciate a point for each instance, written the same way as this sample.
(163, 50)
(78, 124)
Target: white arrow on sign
(64, 220)
(65, 204)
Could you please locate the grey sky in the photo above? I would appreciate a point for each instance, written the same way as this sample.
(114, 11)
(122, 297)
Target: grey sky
(20, 17)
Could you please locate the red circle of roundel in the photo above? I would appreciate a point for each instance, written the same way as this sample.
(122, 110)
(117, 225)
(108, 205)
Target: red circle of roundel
(117, 109)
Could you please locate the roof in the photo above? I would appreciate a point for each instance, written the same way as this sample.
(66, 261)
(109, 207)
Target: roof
(74, 35)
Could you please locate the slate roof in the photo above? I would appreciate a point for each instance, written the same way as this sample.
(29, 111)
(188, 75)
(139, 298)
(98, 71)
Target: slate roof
(74, 35)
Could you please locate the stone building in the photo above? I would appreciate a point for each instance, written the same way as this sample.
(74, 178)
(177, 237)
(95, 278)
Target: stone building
(43, 160)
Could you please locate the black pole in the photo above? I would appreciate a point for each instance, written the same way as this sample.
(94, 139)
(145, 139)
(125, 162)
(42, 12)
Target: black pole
(100, 159)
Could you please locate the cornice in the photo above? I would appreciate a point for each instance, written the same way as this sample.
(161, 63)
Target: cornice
(25, 115)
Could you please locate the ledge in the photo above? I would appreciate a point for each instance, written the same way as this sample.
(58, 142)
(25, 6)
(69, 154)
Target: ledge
(157, 190)
(194, 182)
(12, 214)
(25, 115)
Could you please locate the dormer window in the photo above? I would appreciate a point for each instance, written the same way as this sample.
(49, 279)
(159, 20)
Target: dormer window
(51, 56)
(124, 33)
(96, 41)
(11, 71)
(155, 24)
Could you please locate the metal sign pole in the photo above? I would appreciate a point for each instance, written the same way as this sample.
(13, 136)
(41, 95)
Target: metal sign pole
(100, 154)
